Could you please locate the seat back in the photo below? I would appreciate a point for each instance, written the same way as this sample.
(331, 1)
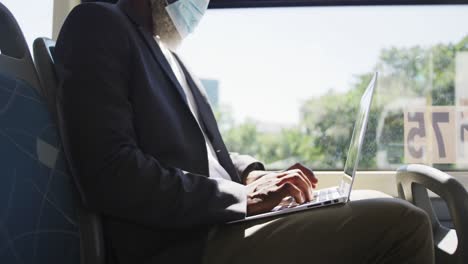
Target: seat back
(413, 183)
(16, 60)
(38, 222)
(43, 52)
(91, 234)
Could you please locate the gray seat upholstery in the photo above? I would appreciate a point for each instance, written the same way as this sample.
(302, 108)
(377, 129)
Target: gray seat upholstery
(91, 233)
(38, 221)
(451, 245)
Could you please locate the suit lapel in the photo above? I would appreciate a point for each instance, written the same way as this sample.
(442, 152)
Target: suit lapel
(161, 59)
(152, 45)
(208, 121)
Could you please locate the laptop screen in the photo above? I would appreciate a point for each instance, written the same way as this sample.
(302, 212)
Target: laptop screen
(359, 129)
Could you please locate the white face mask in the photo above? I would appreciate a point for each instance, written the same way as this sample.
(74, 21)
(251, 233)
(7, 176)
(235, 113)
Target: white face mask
(186, 14)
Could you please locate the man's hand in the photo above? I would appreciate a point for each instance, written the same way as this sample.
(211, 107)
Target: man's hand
(267, 189)
(308, 172)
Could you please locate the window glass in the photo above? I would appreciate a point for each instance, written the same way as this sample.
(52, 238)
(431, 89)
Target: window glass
(286, 82)
(33, 16)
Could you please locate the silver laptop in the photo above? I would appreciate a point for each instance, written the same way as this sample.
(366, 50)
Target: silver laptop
(338, 194)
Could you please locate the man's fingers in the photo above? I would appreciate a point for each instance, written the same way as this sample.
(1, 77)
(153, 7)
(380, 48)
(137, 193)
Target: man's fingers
(294, 171)
(308, 172)
(289, 189)
(292, 184)
(269, 191)
(300, 181)
(304, 176)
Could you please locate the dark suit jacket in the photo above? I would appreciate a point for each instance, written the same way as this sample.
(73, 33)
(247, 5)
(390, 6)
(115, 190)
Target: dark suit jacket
(129, 135)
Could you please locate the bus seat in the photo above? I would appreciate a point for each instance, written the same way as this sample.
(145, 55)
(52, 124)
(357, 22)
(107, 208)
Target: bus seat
(38, 221)
(16, 60)
(413, 181)
(91, 234)
(43, 52)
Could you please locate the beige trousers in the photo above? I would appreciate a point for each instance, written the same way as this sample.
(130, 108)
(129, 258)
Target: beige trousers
(378, 230)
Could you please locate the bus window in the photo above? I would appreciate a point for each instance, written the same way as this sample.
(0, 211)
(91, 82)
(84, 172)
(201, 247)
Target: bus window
(286, 82)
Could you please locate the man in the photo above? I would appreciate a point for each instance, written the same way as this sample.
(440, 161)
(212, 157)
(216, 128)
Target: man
(147, 155)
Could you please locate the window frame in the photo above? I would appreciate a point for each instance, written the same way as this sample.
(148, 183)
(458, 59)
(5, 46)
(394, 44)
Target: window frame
(297, 3)
(215, 4)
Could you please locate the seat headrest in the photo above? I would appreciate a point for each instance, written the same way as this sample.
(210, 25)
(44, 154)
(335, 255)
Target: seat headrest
(15, 58)
(12, 42)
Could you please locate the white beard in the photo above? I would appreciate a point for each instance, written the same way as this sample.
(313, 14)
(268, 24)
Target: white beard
(163, 25)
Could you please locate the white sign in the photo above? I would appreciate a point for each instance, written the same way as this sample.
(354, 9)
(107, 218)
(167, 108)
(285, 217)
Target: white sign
(436, 135)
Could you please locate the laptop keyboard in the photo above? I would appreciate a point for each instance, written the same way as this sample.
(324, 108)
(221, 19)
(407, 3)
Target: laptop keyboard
(324, 195)
(319, 196)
